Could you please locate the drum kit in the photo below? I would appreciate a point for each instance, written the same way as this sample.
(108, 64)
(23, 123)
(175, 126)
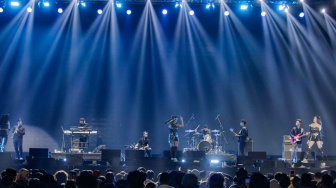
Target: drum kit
(199, 142)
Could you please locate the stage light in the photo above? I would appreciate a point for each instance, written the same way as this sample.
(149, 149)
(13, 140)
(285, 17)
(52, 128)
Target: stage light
(301, 14)
(226, 13)
(263, 13)
(14, 3)
(301, 1)
(1, 9)
(118, 5)
(178, 5)
(287, 9)
(207, 6)
(281, 7)
(46, 4)
(214, 161)
(191, 12)
(164, 11)
(29, 9)
(83, 4)
(243, 7)
(99, 11)
(64, 160)
(128, 12)
(183, 160)
(60, 10)
(323, 11)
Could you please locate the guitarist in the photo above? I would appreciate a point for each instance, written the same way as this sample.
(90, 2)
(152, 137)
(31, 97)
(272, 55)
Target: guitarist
(296, 140)
(242, 135)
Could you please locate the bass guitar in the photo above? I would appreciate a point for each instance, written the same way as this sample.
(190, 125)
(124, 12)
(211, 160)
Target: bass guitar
(296, 138)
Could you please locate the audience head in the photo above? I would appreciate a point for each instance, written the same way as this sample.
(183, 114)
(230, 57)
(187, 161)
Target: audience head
(190, 181)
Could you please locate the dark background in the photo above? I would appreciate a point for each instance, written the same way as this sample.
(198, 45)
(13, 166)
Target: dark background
(129, 73)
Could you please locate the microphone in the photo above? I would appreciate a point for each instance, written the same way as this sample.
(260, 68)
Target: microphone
(192, 117)
(217, 117)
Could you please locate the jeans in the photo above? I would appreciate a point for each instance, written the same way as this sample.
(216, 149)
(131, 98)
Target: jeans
(295, 148)
(18, 148)
(3, 142)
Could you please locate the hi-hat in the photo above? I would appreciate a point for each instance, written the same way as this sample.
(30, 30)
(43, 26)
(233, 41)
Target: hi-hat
(215, 131)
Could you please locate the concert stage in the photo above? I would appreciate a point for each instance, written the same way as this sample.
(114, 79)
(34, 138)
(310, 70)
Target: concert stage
(158, 163)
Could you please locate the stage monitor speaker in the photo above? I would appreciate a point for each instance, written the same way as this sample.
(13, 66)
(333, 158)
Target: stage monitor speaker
(111, 156)
(195, 155)
(248, 147)
(132, 155)
(39, 153)
(257, 155)
(166, 154)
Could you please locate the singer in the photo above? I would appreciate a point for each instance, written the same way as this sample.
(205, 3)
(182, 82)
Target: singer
(173, 138)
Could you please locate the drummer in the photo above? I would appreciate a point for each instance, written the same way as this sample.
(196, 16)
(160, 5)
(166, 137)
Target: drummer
(206, 133)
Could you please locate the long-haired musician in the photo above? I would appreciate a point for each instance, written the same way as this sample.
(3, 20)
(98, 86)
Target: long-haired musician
(4, 129)
(315, 137)
(173, 138)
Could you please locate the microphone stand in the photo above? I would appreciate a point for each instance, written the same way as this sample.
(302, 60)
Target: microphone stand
(63, 141)
(188, 134)
(222, 132)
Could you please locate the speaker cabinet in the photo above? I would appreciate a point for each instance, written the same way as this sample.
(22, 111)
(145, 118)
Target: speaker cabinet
(38, 153)
(166, 154)
(248, 147)
(195, 155)
(132, 155)
(111, 156)
(257, 155)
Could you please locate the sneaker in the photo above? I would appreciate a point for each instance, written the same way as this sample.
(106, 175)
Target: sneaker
(21, 158)
(304, 161)
(175, 160)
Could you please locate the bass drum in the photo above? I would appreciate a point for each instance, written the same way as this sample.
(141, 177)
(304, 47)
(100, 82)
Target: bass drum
(204, 146)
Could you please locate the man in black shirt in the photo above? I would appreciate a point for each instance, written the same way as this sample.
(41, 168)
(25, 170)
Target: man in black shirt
(242, 135)
(143, 144)
(83, 138)
(296, 140)
(18, 132)
(4, 130)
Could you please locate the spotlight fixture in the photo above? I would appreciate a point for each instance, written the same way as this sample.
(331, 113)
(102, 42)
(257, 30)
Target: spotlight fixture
(83, 4)
(1, 9)
(164, 11)
(191, 12)
(60, 10)
(323, 11)
(243, 7)
(46, 4)
(14, 3)
(210, 5)
(178, 5)
(263, 13)
(301, 15)
(282, 7)
(118, 5)
(286, 9)
(99, 11)
(226, 13)
(128, 12)
(29, 9)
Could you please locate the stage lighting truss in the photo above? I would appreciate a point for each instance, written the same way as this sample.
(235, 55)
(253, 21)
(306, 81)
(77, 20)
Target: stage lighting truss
(176, 3)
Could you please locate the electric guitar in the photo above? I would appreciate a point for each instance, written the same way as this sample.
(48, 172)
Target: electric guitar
(296, 138)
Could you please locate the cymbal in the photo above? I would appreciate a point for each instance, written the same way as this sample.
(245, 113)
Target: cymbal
(197, 134)
(189, 131)
(215, 131)
(217, 134)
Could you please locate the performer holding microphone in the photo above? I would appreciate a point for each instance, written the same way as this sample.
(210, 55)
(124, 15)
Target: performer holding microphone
(173, 138)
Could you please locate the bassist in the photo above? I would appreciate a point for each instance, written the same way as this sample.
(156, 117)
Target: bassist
(242, 135)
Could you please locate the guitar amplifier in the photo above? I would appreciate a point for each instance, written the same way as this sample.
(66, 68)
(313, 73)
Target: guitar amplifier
(248, 147)
(286, 139)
